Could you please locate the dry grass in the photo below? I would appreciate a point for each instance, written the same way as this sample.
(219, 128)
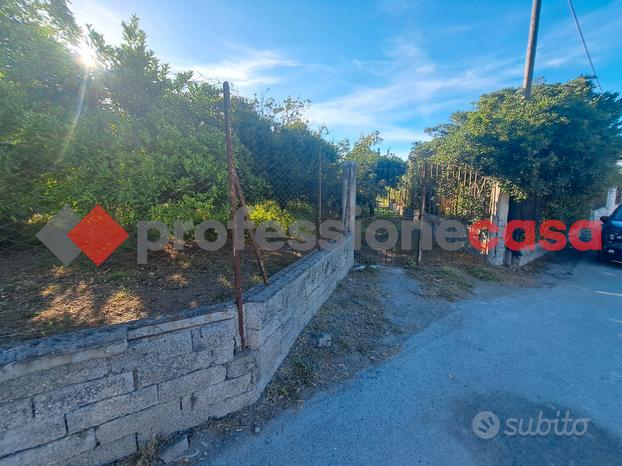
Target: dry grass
(362, 335)
(39, 298)
(481, 272)
(149, 455)
(453, 281)
(354, 317)
(443, 281)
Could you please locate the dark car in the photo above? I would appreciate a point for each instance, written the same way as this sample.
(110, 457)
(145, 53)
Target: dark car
(612, 236)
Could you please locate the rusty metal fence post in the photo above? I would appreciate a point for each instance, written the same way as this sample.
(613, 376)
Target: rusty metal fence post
(319, 192)
(233, 203)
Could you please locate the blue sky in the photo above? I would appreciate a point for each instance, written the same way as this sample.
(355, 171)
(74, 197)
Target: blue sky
(390, 65)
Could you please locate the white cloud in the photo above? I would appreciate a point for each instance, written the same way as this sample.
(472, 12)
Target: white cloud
(411, 86)
(254, 69)
(408, 86)
(403, 88)
(397, 134)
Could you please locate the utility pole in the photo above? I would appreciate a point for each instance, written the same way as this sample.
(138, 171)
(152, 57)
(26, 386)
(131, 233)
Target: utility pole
(514, 206)
(531, 48)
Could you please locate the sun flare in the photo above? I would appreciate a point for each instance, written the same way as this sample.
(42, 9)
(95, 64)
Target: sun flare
(87, 56)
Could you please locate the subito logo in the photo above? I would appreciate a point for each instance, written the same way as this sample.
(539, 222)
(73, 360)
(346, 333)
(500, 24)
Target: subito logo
(486, 425)
(97, 235)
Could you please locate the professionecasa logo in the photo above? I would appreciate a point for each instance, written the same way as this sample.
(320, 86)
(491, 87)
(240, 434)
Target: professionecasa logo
(97, 235)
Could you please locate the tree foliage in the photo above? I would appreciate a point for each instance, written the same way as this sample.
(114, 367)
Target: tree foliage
(375, 172)
(561, 145)
(129, 134)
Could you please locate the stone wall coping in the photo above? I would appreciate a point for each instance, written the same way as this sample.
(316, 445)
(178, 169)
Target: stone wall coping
(81, 345)
(110, 336)
(262, 293)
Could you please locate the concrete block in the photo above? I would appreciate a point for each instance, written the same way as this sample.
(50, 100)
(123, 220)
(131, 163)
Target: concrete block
(273, 315)
(254, 315)
(157, 371)
(290, 333)
(107, 384)
(74, 396)
(170, 326)
(173, 450)
(269, 353)
(230, 405)
(148, 423)
(51, 379)
(32, 434)
(105, 453)
(176, 388)
(47, 353)
(213, 336)
(243, 364)
(221, 391)
(196, 416)
(155, 347)
(159, 358)
(55, 452)
(111, 408)
(15, 413)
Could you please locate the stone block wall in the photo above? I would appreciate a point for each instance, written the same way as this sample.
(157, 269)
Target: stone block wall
(529, 255)
(94, 396)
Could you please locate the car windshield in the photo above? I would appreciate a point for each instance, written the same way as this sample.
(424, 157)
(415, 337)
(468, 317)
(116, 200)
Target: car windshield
(617, 214)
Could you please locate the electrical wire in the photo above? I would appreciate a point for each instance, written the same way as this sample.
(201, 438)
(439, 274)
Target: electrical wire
(587, 52)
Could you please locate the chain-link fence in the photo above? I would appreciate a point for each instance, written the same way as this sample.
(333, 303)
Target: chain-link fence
(78, 206)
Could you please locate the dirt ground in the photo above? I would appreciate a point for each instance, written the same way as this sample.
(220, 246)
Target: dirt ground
(368, 317)
(39, 297)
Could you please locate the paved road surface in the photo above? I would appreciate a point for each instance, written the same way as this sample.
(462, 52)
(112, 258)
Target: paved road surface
(549, 350)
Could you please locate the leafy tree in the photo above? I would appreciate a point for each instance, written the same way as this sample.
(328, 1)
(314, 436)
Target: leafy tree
(561, 145)
(286, 152)
(38, 84)
(375, 172)
(132, 136)
(389, 170)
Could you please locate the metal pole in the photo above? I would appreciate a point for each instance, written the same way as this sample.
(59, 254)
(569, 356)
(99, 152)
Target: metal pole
(242, 200)
(420, 217)
(319, 192)
(344, 196)
(531, 48)
(237, 279)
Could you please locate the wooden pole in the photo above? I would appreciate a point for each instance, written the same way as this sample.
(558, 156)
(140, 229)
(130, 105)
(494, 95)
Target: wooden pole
(233, 202)
(531, 48)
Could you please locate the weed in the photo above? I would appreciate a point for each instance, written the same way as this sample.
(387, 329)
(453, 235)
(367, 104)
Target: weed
(146, 456)
(453, 275)
(303, 372)
(119, 275)
(482, 273)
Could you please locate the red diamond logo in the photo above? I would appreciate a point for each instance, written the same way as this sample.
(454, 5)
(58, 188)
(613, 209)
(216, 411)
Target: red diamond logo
(98, 235)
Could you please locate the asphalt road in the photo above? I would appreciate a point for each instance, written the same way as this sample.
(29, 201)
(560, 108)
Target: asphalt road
(530, 352)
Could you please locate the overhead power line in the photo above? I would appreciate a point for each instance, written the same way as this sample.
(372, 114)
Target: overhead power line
(587, 52)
